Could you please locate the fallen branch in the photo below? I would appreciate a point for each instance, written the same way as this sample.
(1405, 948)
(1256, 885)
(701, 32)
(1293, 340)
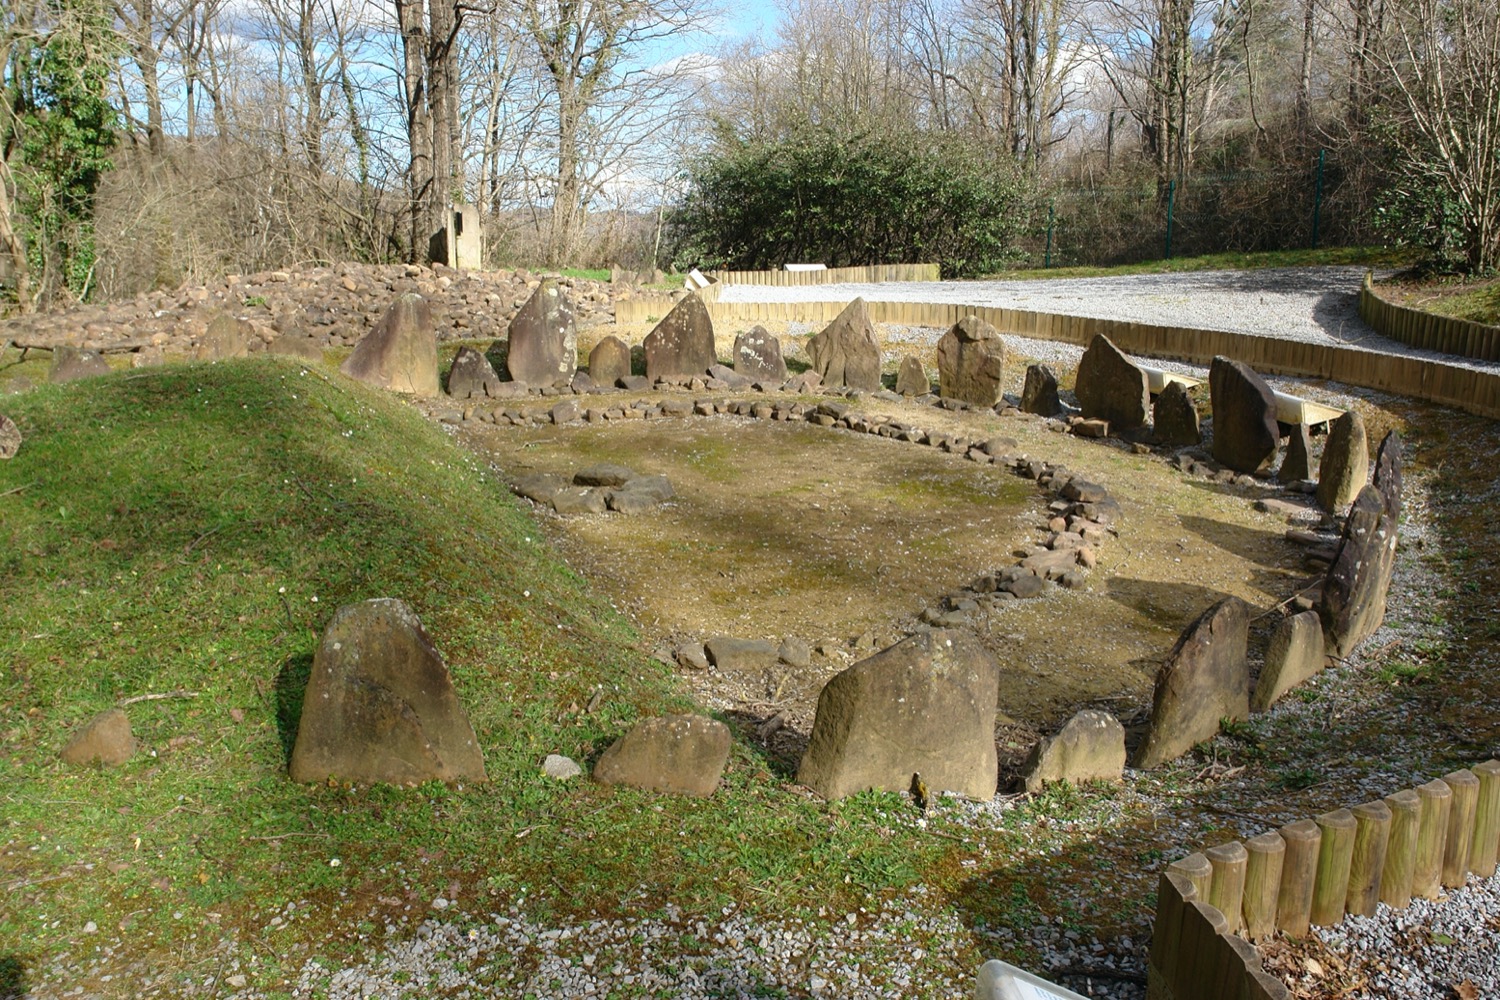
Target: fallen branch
(18, 489)
(165, 695)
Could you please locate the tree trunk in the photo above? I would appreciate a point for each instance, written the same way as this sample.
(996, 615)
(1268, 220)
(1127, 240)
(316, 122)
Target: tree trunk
(412, 23)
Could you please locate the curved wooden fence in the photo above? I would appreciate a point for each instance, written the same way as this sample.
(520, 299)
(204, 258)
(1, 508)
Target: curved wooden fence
(1428, 330)
(831, 276)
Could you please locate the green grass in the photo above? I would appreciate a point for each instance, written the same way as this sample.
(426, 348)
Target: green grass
(588, 273)
(1234, 261)
(1477, 302)
(193, 528)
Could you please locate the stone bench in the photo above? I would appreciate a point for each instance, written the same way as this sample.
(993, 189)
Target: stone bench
(1289, 409)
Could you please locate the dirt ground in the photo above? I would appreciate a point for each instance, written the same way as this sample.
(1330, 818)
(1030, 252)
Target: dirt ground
(841, 539)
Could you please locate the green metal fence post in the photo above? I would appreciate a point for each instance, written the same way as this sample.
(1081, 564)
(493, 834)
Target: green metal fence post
(1051, 210)
(1171, 201)
(1318, 198)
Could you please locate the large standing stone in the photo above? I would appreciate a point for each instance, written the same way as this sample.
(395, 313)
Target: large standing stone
(757, 356)
(923, 706)
(1174, 418)
(10, 438)
(380, 705)
(226, 337)
(543, 340)
(1388, 474)
(1204, 679)
(400, 352)
(609, 361)
(70, 363)
(1039, 392)
(911, 377)
(683, 342)
(1354, 591)
(1245, 430)
(105, 739)
(681, 754)
(847, 351)
(1090, 747)
(471, 375)
(1296, 464)
(1346, 462)
(1294, 654)
(1111, 387)
(971, 362)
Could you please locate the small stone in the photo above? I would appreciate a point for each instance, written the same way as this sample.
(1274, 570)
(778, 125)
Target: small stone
(440, 903)
(10, 437)
(692, 656)
(91, 928)
(560, 767)
(106, 739)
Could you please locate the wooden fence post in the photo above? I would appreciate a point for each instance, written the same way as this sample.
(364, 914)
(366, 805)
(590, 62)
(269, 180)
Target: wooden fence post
(1226, 888)
(1334, 857)
(1485, 851)
(1401, 852)
(1267, 855)
(1371, 836)
(1460, 827)
(1432, 838)
(1198, 870)
(1299, 873)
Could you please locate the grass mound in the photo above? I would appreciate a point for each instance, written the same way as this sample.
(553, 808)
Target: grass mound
(192, 529)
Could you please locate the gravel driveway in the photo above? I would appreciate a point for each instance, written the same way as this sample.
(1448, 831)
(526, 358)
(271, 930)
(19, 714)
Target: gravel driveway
(1313, 304)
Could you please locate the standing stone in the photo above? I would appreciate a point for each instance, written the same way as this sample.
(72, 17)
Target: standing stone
(1174, 418)
(757, 356)
(847, 352)
(971, 362)
(1354, 591)
(105, 739)
(400, 352)
(1294, 654)
(1111, 387)
(543, 348)
(1346, 462)
(472, 374)
(683, 342)
(226, 337)
(1388, 474)
(380, 705)
(911, 377)
(1245, 429)
(1204, 679)
(1039, 393)
(925, 705)
(1296, 464)
(70, 363)
(10, 438)
(609, 361)
(680, 754)
(1089, 747)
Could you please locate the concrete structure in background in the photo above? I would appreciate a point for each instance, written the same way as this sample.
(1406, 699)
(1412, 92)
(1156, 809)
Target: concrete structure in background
(999, 980)
(458, 244)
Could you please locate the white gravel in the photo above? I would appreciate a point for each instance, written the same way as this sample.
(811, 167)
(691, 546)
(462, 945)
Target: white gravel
(1312, 304)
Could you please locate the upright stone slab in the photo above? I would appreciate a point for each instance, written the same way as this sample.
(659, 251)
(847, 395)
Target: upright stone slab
(1346, 462)
(1089, 747)
(971, 362)
(71, 363)
(226, 337)
(923, 706)
(1354, 591)
(1204, 679)
(1174, 418)
(1245, 429)
(911, 377)
(679, 754)
(472, 375)
(609, 361)
(1039, 392)
(1388, 474)
(1111, 387)
(10, 438)
(543, 347)
(380, 705)
(400, 352)
(1294, 654)
(1296, 464)
(757, 356)
(847, 351)
(682, 343)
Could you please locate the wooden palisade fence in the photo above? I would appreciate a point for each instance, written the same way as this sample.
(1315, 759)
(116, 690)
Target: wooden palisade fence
(872, 274)
(1212, 905)
(1428, 330)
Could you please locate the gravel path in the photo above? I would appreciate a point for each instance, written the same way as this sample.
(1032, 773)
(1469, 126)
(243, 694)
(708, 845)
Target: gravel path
(1313, 304)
